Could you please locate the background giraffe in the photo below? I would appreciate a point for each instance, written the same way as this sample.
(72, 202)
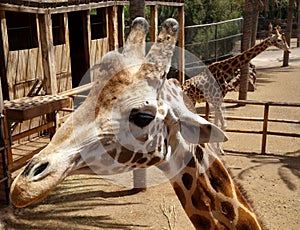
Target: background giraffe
(212, 84)
(137, 118)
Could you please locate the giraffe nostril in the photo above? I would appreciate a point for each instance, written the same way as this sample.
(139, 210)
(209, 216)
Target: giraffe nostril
(41, 168)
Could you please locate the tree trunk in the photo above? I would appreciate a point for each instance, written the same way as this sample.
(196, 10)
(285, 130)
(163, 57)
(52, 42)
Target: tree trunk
(288, 31)
(255, 14)
(136, 9)
(298, 26)
(246, 42)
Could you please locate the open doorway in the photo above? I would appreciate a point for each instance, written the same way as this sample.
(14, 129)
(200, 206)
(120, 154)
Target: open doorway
(79, 51)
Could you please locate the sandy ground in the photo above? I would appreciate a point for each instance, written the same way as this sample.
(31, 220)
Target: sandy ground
(272, 181)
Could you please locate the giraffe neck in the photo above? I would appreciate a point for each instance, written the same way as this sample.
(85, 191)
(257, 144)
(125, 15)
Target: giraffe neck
(208, 195)
(227, 67)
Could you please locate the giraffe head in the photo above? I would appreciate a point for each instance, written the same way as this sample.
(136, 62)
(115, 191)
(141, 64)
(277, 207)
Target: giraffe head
(278, 39)
(133, 117)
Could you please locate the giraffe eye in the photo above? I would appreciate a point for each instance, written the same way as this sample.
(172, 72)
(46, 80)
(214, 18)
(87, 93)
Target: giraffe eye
(141, 119)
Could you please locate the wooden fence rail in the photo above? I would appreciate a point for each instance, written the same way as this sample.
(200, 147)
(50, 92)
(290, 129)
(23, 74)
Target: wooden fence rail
(264, 132)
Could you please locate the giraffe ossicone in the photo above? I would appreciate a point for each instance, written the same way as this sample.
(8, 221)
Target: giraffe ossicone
(135, 118)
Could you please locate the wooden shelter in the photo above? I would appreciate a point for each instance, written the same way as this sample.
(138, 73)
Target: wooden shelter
(46, 47)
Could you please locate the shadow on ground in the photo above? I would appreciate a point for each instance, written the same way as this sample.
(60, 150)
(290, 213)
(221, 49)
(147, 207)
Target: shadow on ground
(289, 161)
(67, 208)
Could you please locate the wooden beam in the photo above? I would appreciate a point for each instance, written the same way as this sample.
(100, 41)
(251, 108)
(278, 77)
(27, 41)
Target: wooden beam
(5, 53)
(112, 20)
(61, 9)
(33, 130)
(121, 26)
(153, 23)
(45, 28)
(162, 3)
(24, 9)
(4, 36)
(181, 62)
(77, 90)
(80, 7)
(86, 34)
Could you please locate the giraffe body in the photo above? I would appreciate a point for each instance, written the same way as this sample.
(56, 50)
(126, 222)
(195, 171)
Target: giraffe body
(135, 118)
(202, 88)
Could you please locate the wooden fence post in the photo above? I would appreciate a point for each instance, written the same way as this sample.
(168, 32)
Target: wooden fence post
(45, 28)
(265, 129)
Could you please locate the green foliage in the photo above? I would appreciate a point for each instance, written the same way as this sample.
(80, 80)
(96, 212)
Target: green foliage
(209, 11)
(198, 12)
(276, 10)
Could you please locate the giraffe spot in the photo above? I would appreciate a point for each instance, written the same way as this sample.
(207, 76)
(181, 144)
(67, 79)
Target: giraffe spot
(202, 198)
(161, 111)
(125, 155)
(200, 222)
(169, 98)
(222, 226)
(226, 66)
(136, 157)
(142, 160)
(246, 221)
(153, 129)
(112, 153)
(187, 180)
(199, 153)
(180, 194)
(153, 161)
(174, 92)
(234, 63)
(219, 179)
(228, 210)
(190, 161)
(197, 201)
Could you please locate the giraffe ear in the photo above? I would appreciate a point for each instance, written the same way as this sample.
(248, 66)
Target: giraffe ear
(197, 130)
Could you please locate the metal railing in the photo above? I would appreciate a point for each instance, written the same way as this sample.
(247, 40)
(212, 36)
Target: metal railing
(214, 41)
(265, 120)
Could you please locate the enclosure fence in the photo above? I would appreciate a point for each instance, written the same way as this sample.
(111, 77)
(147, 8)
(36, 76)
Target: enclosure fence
(214, 41)
(265, 120)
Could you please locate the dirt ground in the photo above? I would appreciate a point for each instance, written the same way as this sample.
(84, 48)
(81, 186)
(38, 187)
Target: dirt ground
(272, 181)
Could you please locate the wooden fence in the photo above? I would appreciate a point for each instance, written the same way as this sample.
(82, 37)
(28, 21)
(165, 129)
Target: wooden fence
(265, 119)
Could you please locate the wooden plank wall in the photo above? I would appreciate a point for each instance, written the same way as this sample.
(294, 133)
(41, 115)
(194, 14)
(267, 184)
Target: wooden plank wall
(98, 48)
(63, 67)
(25, 66)
(63, 61)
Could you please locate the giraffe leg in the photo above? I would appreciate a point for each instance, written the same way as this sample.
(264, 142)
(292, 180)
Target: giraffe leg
(220, 122)
(219, 117)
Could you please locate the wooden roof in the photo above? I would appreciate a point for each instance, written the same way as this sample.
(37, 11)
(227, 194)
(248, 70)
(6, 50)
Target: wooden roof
(59, 3)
